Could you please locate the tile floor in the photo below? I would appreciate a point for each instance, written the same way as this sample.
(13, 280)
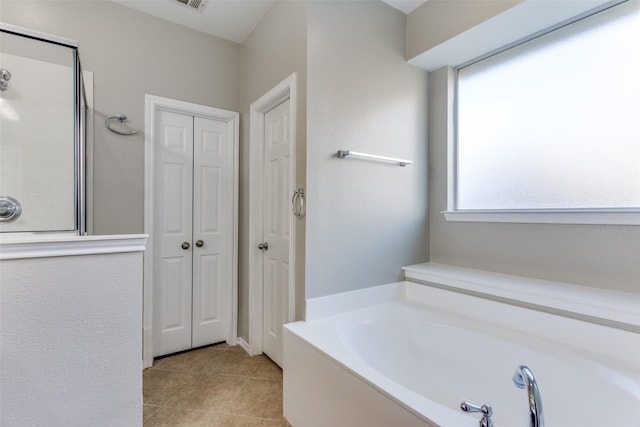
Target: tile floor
(216, 386)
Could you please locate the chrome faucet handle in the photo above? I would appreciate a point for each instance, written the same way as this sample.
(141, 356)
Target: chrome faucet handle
(472, 407)
(485, 410)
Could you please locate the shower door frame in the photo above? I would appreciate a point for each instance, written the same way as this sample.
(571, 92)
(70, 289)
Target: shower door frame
(82, 122)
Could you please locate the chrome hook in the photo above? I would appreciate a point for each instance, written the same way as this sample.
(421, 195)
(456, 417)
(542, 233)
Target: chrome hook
(121, 118)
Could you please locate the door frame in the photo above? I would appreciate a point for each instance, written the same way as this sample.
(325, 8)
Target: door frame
(154, 104)
(283, 91)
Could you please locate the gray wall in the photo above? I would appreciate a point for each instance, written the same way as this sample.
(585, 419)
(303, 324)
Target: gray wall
(366, 97)
(132, 54)
(276, 48)
(365, 220)
(601, 256)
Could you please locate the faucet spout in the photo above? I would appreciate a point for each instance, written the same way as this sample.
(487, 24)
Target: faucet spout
(523, 378)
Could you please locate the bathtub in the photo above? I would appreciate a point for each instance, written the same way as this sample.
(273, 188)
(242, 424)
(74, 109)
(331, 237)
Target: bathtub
(407, 354)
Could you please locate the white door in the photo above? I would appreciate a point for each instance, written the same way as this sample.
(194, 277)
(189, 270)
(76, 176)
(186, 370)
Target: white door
(192, 231)
(211, 232)
(276, 217)
(172, 275)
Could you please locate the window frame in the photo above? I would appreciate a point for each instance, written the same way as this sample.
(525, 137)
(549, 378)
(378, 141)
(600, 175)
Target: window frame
(595, 216)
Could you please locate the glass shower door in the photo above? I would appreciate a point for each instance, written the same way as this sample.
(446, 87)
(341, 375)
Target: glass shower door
(39, 138)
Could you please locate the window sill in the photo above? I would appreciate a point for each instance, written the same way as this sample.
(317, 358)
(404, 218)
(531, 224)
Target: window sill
(593, 217)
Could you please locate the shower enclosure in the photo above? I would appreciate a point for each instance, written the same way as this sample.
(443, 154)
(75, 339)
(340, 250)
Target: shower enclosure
(42, 134)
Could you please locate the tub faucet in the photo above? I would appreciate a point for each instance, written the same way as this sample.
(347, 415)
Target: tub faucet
(523, 378)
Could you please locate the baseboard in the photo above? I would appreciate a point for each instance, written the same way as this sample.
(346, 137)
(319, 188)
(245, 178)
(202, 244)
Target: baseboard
(245, 346)
(147, 354)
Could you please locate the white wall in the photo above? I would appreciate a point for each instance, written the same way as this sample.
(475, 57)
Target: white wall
(70, 342)
(365, 220)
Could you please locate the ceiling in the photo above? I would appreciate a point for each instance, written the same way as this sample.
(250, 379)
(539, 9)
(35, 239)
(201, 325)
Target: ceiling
(229, 19)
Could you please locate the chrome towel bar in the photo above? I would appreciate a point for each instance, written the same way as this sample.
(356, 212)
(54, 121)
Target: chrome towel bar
(401, 162)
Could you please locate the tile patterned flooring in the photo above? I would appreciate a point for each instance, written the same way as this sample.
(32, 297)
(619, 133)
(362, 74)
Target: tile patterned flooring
(215, 386)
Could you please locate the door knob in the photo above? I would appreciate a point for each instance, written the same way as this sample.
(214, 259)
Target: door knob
(185, 245)
(263, 246)
(199, 243)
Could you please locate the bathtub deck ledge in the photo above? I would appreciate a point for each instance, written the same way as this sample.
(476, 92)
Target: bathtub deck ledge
(606, 307)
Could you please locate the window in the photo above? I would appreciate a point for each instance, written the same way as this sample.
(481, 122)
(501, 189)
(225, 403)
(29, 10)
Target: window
(552, 126)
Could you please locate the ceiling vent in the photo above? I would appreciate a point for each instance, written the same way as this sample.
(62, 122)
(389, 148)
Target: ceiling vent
(196, 4)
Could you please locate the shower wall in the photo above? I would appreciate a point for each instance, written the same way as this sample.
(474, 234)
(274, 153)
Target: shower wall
(37, 134)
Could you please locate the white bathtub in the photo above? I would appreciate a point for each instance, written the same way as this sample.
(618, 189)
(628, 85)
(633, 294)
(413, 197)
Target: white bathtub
(413, 355)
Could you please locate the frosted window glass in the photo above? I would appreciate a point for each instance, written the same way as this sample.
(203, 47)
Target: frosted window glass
(555, 122)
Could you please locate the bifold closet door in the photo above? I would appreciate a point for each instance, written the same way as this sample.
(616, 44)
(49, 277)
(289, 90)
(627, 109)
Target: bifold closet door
(211, 232)
(192, 196)
(173, 219)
